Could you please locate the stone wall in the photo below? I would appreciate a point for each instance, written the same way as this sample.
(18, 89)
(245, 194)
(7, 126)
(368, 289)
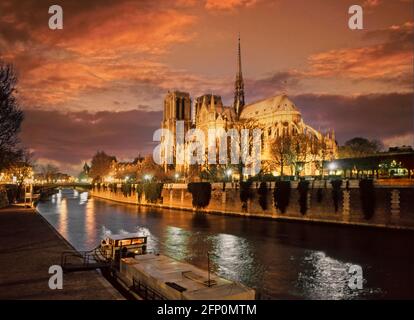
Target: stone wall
(393, 208)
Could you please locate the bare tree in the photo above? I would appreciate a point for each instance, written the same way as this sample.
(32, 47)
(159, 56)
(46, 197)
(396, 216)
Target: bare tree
(11, 117)
(49, 171)
(250, 125)
(149, 167)
(282, 152)
(307, 149)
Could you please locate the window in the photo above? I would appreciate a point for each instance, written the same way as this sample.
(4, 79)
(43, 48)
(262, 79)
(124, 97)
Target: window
(138, 241)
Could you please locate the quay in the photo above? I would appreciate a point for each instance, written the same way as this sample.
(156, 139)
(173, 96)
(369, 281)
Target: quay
(29, 245)
(392, 208)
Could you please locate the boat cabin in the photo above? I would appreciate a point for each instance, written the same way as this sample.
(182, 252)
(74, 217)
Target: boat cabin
(115, 247)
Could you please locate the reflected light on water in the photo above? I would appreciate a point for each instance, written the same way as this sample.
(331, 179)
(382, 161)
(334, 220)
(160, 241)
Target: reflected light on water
(228, 247)
(83, 198)
(326, 278)
(176, 242)
(62, 206)
(279, 260)
(90, 224)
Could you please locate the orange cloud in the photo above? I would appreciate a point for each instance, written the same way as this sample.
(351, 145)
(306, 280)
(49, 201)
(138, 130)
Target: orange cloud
(99, 49)
(228, 4)
(359, 63)
(371, 3)
(124, 28)
(390, 60)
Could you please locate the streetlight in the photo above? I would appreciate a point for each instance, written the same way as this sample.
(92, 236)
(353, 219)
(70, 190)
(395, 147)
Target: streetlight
(147, 177)
(332, 166)
(176, 176)
(229, 172)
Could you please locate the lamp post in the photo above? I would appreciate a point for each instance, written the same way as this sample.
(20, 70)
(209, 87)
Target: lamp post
(332, 167)
(229, 173)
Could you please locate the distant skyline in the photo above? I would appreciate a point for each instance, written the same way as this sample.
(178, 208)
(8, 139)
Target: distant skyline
(99, 83)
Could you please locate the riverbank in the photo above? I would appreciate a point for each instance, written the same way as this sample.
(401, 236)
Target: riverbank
(29, 245)
(393, 206)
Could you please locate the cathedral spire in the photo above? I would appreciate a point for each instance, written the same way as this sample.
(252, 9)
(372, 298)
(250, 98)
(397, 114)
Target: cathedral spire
(239, 85)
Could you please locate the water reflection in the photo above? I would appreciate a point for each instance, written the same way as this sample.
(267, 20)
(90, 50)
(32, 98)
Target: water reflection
(317, 268)
(90, 225)
(280, 260)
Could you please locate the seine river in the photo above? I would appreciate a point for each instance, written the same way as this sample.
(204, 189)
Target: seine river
(281, 260)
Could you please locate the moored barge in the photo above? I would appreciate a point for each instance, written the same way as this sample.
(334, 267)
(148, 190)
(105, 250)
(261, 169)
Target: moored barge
(124, 258)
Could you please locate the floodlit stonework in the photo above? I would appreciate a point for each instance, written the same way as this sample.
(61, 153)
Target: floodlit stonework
(277, 116)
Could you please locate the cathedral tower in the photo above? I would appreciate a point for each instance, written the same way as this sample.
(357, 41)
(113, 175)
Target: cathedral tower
(177, 107)
(239, 85)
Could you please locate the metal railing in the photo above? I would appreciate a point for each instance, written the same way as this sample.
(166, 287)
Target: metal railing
(145, 291)
(83, 260)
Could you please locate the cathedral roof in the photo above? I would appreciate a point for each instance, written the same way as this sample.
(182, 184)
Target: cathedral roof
(280, 104)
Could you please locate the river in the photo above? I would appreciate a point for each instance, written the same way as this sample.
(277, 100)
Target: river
(281, 260)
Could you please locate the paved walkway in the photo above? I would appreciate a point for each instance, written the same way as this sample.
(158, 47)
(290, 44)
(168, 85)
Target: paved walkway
(28, 247)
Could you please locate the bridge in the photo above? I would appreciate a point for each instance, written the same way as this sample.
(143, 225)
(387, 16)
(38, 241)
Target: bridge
(38, 191)
(63, 185)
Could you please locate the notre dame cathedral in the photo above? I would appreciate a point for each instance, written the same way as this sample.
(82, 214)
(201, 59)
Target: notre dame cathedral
(277, 116)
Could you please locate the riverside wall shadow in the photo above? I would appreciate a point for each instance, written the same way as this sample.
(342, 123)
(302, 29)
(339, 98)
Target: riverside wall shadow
(392, 205)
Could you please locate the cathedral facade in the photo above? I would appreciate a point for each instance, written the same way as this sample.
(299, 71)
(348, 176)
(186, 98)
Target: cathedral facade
(276, 116)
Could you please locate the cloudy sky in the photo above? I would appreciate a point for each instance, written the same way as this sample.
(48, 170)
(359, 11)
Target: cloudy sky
(99, 83)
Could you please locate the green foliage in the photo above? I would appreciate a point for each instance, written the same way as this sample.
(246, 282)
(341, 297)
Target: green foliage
(281, 195)
(336, 192)
(246, 191)
(139, 190)
(126, 189)
(100, 165)
(112, 187)
(367, 194)
(201, 192)
(153, 191)
(303, 188)
(359, 147)
(262, 191)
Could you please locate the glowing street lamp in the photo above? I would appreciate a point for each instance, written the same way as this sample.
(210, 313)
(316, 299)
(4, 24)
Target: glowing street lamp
(332, 166)
(147, 177)
(229, 173)
(176, 176)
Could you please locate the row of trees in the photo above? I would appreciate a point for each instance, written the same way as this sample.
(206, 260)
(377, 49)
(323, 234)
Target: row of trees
(296, 151)
(102, 166)
(291, 152)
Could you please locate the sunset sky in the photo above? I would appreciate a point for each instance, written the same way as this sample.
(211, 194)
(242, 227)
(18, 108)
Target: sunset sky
(99, 83)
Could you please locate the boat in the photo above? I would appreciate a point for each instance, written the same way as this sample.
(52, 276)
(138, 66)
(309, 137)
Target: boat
(113, 247)
(154, 276)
